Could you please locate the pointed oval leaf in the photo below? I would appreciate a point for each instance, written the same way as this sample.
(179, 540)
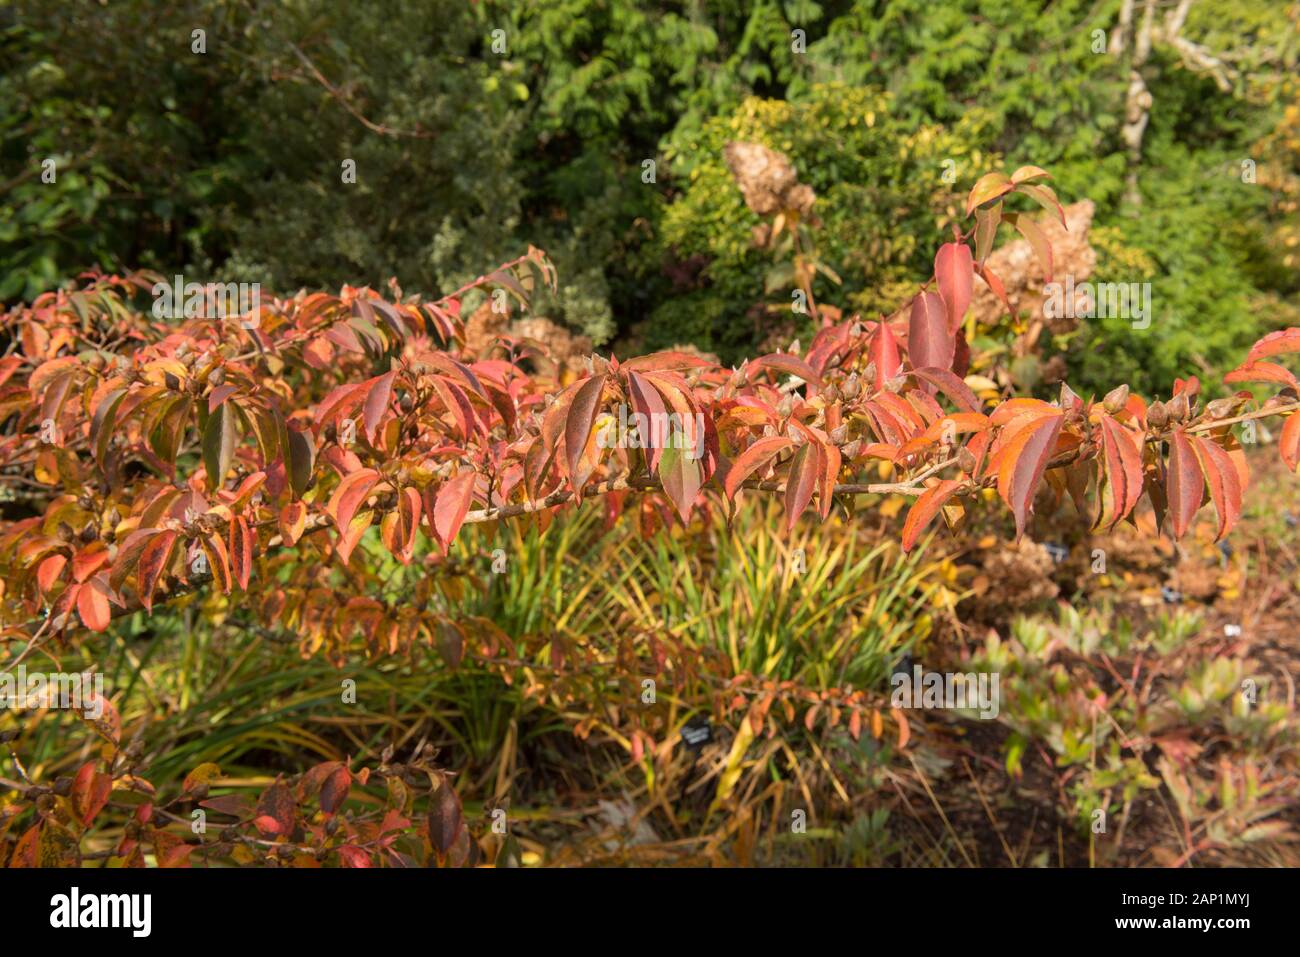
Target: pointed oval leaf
(578, 426)
(955, 276)
(800, 484)
(926, 507)
(1184, 485)
(752, 459)
(1023, 463)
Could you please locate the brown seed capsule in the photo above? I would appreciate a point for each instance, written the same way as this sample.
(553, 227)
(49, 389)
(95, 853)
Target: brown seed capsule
(89, 533)
(851, 450)
(63, 786)
(1222, 408)
(840, 434)
(1179, 408)
(966, 460)
(216, 377)
(172, 382)
(1157, 415)
(1116, 399)
(406, 404)
(830, 394)
(852, 386)
(786, 407)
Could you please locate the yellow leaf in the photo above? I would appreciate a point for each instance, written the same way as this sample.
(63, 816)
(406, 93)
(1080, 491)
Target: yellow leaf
(735, 762)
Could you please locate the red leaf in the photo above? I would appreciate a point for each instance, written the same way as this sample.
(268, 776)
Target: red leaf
(995, 284)
(925, 509)
(789, 364)
(354, 856)
(1123, 469)
(658, 361)
(752, 459)
(153, 561)
(90, 792)
(1023, 463)
(377, 400)
(450, 506)
(1184, 486)
(335, 790)
(954, 273)
(800, 484)
(276, 810)
(241, 551)
(951, 386)
(930, 343)
(647, 401)
(884, 355)
(578, 427)
(1223, 481)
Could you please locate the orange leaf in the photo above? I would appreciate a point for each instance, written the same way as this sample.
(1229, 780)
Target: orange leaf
(1022, 465)
(293, 520)
(1290, 441)
(1223, 481)
(989, 186)
(924, 510)
(92, 604)
(347, 498)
